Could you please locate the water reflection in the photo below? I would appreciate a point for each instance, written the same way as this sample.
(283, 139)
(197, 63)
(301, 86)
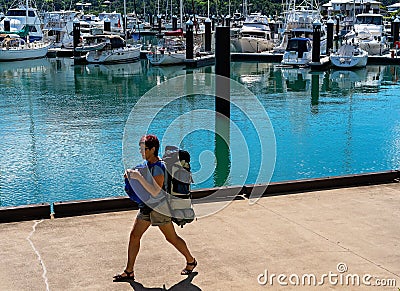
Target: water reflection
(27, 66)
(60, 120)
(296, 79)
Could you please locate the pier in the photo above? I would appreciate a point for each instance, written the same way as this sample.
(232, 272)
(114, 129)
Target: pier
(308, 233)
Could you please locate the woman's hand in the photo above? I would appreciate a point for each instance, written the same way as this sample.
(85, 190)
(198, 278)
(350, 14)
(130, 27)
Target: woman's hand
(133, 174)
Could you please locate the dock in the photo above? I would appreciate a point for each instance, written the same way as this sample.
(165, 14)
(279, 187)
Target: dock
(209, 59)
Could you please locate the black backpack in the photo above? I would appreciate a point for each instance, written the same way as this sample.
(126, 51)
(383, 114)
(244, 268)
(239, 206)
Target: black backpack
(177, 182)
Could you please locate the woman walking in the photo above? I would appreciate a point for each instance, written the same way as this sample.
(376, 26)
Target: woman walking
(152, 181)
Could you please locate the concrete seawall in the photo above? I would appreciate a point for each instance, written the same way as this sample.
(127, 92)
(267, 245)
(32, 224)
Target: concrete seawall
(112, 204)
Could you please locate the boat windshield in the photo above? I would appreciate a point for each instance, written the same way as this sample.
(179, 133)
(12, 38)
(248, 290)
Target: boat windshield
(20, 13)
(298, 45)
(376, 20)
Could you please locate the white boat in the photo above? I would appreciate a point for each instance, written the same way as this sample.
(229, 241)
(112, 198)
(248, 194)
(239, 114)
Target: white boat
(166, 58)
(349, 56)
(115, 50)
(169, 51)
(369, 34)
(298, 52)
(58, 27)
(255, 35)
(22, 16)
(298, 19)
(13, 48)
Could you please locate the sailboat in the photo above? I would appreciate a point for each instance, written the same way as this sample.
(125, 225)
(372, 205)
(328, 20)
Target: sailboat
(349, 56)
(169, 51)
(103, 49)
(14, 48)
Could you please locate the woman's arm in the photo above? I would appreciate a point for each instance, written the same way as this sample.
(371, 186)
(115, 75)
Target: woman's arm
(154, 190)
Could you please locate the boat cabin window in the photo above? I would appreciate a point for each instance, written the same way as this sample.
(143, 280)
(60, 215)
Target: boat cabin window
(20, 13)
(376, 20)
(117, 42)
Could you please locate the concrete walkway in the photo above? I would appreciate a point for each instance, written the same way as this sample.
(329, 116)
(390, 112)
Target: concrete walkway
(296, 236)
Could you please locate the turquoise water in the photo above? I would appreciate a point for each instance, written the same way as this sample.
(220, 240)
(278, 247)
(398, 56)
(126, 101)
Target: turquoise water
(62, 126)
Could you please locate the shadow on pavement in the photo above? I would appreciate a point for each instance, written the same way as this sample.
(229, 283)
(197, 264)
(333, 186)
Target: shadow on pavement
(184, 285)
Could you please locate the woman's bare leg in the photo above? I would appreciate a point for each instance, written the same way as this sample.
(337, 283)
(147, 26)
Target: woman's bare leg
(173, 238)
(139, 228)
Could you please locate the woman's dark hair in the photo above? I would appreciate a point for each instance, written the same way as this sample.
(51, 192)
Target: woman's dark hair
(151, 141)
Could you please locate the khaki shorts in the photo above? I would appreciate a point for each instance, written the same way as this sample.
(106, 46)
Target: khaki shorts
(156, 218)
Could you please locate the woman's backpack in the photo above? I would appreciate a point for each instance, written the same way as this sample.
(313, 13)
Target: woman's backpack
(177, 182)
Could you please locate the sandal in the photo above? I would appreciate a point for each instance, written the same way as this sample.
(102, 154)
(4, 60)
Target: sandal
(129, 276)
(187, 271)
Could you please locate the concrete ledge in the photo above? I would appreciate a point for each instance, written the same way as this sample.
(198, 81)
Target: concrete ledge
(298, 186)
(218, 194)
(83, 207)
(25, 212)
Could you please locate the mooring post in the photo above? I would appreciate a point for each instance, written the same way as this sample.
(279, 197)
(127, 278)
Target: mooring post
(7, 24)
(329, 36)
(396, 26)
(222, 105)
(228, 20)
(189, 39)
(207, 40)
(107, 25)
(316, 49)
(337, 31)
(159, 24)
(76, 25)
(222, 68)
(174, 22)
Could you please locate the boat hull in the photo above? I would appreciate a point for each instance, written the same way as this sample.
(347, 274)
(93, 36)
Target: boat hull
(291, 59)
(252, 45)
(349, 56)
(30, 51)
(349, 62)
(120, 55)
(158, 59)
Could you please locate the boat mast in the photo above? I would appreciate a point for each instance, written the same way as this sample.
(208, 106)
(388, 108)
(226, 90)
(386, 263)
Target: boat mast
(26, 20)
(181, 12)
(124, 22)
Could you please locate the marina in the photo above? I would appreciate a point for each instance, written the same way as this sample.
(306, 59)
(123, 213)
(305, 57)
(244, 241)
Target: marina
(64, 124)
(71, 106)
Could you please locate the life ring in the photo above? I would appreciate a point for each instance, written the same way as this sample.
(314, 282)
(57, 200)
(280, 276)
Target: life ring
(397, 44)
